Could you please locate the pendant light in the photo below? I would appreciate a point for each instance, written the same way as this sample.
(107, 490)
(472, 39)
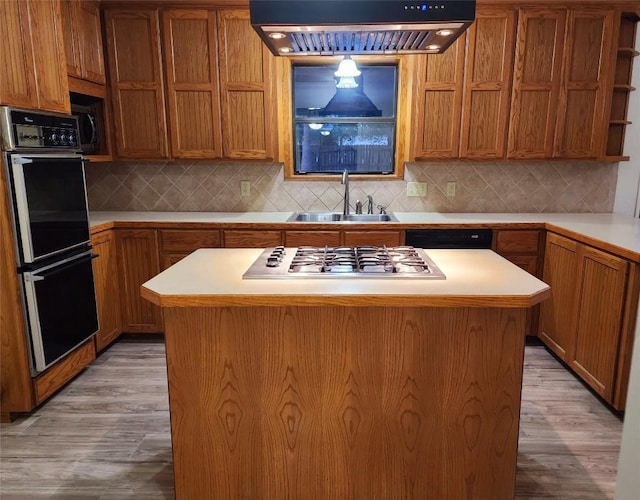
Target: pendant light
(347, 71)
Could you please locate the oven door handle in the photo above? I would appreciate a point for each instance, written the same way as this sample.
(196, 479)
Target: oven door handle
(56, 268)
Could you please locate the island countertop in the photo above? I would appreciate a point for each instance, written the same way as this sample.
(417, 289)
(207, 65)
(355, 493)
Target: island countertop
(474, 278)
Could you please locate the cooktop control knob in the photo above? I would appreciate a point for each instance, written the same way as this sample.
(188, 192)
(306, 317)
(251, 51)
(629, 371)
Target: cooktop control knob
(63, 138)
(274, 259)
(54, 138)
(72, 139)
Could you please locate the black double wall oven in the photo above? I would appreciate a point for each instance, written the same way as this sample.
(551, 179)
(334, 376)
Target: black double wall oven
(46, 181)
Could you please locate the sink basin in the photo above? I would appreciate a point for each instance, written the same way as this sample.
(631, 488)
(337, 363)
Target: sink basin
(314, 217)
(368, 218)
(335, 217)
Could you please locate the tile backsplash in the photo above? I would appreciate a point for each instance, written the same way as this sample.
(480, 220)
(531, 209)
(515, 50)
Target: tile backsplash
(480, 187)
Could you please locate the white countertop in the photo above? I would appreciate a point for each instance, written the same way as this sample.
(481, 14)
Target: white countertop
(619, 230)
(473, 277)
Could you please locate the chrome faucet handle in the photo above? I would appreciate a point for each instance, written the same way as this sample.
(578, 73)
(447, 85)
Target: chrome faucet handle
(358, 207)
(383, 209)
(369, 204)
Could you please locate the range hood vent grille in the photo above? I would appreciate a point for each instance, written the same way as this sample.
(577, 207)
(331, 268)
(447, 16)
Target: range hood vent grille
(371, 42)
(375, 27)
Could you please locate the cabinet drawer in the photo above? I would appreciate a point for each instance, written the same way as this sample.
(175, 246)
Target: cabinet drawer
(376, 238)
(252, 239)
(312, 238)
(187, 240)
(517, 241)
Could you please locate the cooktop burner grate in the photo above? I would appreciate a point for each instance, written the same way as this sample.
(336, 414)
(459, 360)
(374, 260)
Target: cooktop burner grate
(352, 262)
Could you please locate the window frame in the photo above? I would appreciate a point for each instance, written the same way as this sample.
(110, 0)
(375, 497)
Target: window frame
(286, 122)
(347, 120)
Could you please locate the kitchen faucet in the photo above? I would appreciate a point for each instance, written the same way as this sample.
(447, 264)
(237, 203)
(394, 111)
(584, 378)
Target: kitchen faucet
(345, 181)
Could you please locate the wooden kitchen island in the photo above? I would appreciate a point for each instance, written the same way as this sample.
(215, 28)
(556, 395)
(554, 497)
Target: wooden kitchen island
(350, 388)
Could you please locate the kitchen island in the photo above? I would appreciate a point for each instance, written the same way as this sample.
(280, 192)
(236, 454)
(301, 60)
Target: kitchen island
(344, 388)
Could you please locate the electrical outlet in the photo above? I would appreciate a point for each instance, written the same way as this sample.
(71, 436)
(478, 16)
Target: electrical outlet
(245, 188)
(451, 189)
(416, 189)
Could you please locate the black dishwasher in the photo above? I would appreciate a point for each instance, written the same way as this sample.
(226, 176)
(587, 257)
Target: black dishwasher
(449, 238)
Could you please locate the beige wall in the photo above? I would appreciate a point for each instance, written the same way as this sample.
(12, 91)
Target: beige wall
(480, 187)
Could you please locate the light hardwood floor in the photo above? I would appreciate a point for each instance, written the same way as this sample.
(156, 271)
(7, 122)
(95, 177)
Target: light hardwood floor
(106, 435)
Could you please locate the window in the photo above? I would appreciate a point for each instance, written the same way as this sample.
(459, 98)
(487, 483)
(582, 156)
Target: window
(341, 127)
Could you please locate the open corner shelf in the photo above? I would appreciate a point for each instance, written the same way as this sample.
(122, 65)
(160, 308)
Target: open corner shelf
(625, 55)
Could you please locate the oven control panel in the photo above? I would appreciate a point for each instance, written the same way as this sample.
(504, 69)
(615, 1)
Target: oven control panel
(36, 130)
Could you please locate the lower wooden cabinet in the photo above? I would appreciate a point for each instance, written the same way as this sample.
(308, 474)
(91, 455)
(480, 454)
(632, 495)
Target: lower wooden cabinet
(235, 238)
(311, 238)
(176, 244)
(105, 274)
(138, 261)
(62, 371)
(589, 319)
(347, 238)
(376, 238)
(524, 249)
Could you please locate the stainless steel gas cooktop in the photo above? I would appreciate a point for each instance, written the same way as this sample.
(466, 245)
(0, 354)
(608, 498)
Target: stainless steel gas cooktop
(344, 262)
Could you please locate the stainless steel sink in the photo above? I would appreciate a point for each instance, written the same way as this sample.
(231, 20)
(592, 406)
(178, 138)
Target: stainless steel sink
(368, 218)
(335, 217)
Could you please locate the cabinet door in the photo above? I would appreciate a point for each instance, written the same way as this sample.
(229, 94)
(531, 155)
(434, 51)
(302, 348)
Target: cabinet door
(558, 314)
(247, 94)
(69, 11)
(90, 41)
(376, 238)
(603, 279)
(582, 123)
(536, 83)
(487, 89)
(17, 78)
(192, 83)
(234, 238)
(133, 47)
(438, 107)
(105, 274)
(32, 56)
(48, 56)
(138, 261)
(509, 242)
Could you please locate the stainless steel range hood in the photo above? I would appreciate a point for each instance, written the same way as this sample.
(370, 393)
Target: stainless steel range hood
(341, 27)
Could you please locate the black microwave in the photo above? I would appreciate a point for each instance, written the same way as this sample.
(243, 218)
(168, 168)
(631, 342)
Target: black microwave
(88, 125)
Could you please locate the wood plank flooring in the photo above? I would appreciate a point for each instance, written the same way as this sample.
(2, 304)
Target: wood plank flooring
(106, 435)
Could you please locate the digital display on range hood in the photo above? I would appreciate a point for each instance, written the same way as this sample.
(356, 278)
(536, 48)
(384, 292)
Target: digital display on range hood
(335, 27)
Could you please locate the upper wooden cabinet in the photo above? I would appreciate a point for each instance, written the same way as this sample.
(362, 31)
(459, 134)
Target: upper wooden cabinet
(581, 126)
(135, 70)
(83, 40)
(32, 56)
(536, 83)
(530, 83)
(192, 83)
(219, 89)
(487, 84)
(436, 115)
(247, 89)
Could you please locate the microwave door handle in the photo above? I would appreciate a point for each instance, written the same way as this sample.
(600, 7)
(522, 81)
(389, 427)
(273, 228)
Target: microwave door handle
(94, 132)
